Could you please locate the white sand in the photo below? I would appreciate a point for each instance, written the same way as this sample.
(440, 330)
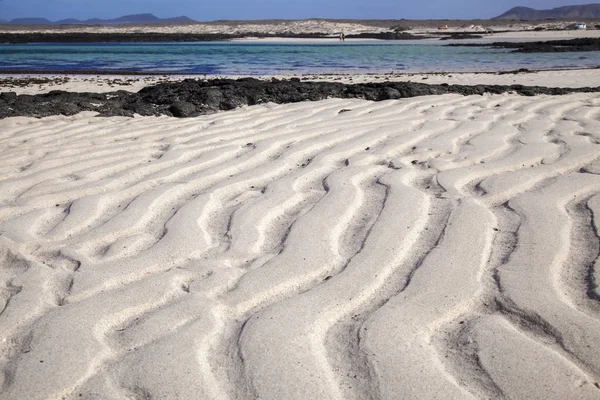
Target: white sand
(555, 78)
(83, 83)
(436, 247)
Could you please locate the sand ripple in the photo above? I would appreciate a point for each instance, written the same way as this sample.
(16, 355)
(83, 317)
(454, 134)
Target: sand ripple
(436, 247)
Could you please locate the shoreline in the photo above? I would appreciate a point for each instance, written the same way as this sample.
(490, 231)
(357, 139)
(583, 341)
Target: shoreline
(15, 73)
(37, 82)
(546, 46)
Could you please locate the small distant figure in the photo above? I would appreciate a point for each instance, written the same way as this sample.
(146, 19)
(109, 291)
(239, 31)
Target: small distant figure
(342, 37)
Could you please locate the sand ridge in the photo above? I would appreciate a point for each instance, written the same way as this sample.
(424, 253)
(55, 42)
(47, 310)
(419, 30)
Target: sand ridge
(434, 247)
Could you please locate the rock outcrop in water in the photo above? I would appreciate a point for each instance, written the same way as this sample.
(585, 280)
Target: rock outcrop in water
(191, 97)
(549, 46)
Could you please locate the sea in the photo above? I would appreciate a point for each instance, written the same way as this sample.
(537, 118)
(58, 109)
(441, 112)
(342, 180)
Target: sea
(266, 58)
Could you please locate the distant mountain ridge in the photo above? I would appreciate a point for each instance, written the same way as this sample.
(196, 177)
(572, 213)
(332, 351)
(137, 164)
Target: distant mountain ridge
(126, 19)
(586, 11)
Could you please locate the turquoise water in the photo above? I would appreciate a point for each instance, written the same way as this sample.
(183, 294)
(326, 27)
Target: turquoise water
(246, 58)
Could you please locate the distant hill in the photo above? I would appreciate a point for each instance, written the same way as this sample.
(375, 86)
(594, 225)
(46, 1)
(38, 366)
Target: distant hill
(3, 21)
(183, 18)
(68, 21)
(30, 21)
(134, 19)
(126, 19)
(588, 11)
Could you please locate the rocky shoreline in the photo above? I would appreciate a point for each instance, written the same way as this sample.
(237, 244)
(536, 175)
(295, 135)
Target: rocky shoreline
(193, 97)
(549, 46)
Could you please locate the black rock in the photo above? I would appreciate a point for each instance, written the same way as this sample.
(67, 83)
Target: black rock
(213, 98)
(8, 97)
(549, 46)
(192, 97)
(181, 109)
(67, 108)
(389, 93)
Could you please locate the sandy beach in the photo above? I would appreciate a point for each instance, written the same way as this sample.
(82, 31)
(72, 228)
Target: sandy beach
(433, 247)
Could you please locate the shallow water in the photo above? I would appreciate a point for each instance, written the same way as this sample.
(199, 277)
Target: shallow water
(251, 58)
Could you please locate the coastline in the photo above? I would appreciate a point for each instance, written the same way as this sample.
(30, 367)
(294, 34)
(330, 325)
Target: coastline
(422, 36)
(347, 236)
(462, 31)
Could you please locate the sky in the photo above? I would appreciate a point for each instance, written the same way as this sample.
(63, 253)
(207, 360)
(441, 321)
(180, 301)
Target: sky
(209, 10)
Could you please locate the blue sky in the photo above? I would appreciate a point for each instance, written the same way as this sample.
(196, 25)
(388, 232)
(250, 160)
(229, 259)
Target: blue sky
(204, 10)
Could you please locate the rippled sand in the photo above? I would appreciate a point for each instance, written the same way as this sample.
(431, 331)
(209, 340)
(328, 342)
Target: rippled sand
(435, 247)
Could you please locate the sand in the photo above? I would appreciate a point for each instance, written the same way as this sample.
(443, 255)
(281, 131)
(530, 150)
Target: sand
(43, 83)
(435, 247)
(552, 78)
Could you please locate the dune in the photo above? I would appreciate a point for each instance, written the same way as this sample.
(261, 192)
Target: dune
(433, 247)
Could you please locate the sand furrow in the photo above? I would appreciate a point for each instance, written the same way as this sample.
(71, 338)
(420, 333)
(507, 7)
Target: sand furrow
(442, 270)
(592, 278)
(584, 250)
(345, 243)
(516, 276)
(436, 247)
